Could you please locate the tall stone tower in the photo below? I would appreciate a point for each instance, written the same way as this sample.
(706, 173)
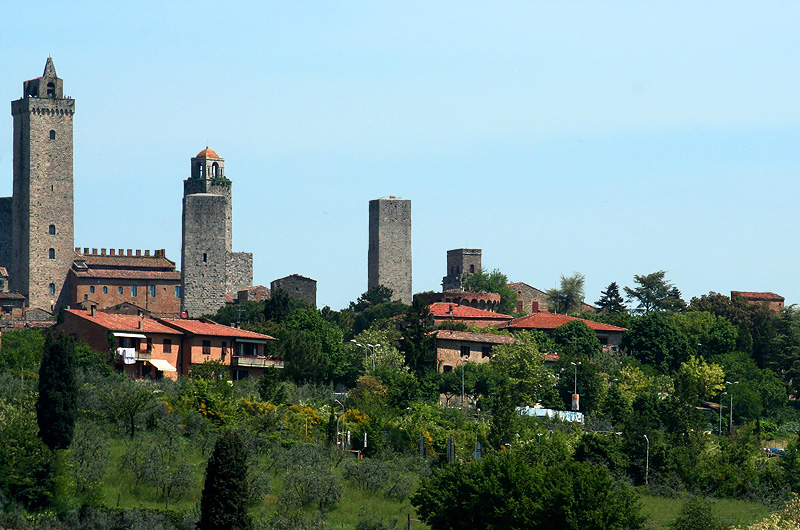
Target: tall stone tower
(461, 262)
(389, 255)
(209, 267)
(42, 212)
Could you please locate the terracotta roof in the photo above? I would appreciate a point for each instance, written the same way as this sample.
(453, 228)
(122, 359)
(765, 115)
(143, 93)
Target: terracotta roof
(758, 296)
(550, 321)
(200, 327)
(207, 153)
(124, 322)
(127, 274)
(445, 310)
(488, 338)
(11, 296)
(105, 261)
(551, 357)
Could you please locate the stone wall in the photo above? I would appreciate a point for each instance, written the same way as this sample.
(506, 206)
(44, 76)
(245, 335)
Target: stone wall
(297, 286)
(461, 262)
(5, 233)
(389, 254)
(238, 271)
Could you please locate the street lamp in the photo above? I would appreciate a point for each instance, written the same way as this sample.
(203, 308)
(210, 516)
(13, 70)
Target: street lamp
(647, 462)
(576, 375)
(730, 427)
(720, 411)
(367, 349)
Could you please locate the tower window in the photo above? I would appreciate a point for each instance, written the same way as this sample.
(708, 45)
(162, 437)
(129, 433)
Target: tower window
(119, 290)
(52, 230)
(202, 170)
(152, 290)
(215, 170)
(177, 291)
(52, 134)
(105, 289)
(51, 253)
(134, 290)
(205, 257)
(91, 289)
(51, 288)
(51, 90)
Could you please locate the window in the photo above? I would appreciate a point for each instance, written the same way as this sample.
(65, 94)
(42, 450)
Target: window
(91, 289)
(52, 134)
(205, 257)
(51, 288)
(465, 351)
(152, 290)
(51, 253)
(224, 350)
(86, 297)
(471, 269)
(149, 345)
(447, 368)
(105, 289)
(486, 351)
(119, 290)
(134, 290)
(214, 170)
(177, 291)
(51, 90)
(206, 347)
(51, 230)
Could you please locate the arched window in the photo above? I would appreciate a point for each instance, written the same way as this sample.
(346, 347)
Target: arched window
(105, 289)
(51, 230)
(91, 289)
(51, 288)
(215, 170)
(51, 90)
(51, 253)
(52, 134)
(202, 170)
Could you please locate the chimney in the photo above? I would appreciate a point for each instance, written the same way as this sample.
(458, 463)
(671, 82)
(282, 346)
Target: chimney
(141, 322)
(78, 250)
(535, 306)
(450, 310)
(93, 310)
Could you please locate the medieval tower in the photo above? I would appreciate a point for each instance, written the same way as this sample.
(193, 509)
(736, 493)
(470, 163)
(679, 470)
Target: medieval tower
(42, 210)
(389, 255)
(461, 262)
(209, 267)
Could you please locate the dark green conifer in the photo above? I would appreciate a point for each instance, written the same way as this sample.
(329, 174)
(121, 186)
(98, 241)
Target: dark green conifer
(223, 505)
(58, 394)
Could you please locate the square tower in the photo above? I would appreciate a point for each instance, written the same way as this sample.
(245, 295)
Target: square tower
(389, 255)
(461, 262)
(42, 213)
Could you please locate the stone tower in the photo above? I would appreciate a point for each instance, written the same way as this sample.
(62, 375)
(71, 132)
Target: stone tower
(42, 212)
(461, 262)
(389, 255)
(209, 267)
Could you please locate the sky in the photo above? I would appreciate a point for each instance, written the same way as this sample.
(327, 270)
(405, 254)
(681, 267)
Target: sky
(611, 139)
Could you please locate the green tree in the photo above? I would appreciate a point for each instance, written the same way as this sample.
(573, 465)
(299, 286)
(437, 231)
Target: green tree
(567, 298)
(493, 282)
(21, 352)
(611, 301)
(124, 402)
(697, 380)
(577, 339)
(521, 364)
(654, 339)
(56, 406)
(696, 514)
(223, 504)
(417, 343)
(278, 307)
(654, 293)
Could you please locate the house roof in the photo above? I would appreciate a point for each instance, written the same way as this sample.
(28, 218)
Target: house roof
(11, 296)
(130, 323)
(296, 276)
(487, 338)
(105, 261)
(209, 328)
(445, 310)
(207, 153)
(750, 295)
(549, 321)
(123, 274)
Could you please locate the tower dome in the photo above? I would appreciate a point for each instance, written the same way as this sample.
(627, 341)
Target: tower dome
(207, 153)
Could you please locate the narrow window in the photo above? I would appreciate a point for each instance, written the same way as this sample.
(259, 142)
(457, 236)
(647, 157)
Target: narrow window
(91, 289)
(177, 291)
(149, 344)
(52, 253)
(52, 288)
(52, 134)
(202, 170)
(465, 351)
(215, 170)
(471, 269)
(205, 257)
(52, 230)
(167, 345)
(486, 351)
(152, 290)
(86, 297)
(105, 289)
(51, 90)
(134, 290)
(119, 290)
(206, 347)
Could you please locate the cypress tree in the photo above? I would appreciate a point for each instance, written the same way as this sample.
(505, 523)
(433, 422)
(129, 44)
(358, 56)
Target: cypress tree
(58, 394)
(223, 505)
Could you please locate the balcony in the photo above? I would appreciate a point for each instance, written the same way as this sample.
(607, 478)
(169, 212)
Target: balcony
(246, 361)
(132, 354)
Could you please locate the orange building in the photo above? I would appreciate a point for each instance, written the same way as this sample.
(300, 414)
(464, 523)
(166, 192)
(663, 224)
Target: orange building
(773, 301)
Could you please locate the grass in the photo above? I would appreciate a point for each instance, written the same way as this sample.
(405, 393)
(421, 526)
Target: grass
(662, 511)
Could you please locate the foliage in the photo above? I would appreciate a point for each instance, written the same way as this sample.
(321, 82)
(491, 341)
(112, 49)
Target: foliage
(58, 395)
(248, 311)
(567, 298)
(522, 366)
(654, 339)
(525, 495)
(417, 344)
(654, 293)
(696, 514)
(493, 282)
(21, 352)
(88, 458)
(124, 402)
(707, 333)
(611, 301)
(577, 339)
(224, 500)
(698, 380)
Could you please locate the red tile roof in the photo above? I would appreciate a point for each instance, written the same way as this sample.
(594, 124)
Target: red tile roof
(444, 310)
(207, 153)
(127, 323)
(106, 261)
(206, 327)
(488, 338)
(121, 274)
(550, 321)
(758, 296)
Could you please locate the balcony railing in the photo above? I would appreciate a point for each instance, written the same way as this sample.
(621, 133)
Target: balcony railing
(133, 353)
(246, 361)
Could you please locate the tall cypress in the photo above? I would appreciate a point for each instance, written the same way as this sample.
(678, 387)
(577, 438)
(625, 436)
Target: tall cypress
(58, 393)
(223, 505)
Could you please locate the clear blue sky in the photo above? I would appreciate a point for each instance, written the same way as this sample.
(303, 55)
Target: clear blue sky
(608, 138)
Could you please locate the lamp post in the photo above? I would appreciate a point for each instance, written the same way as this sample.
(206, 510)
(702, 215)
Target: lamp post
(720, 412)
(730, 391)
(367, 349)
(575, 404)
(647, 462)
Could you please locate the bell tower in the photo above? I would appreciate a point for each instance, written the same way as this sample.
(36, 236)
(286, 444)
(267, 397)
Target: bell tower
(42, 217)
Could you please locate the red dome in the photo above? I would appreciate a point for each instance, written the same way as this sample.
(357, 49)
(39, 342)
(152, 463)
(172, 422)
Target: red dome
(207, 153)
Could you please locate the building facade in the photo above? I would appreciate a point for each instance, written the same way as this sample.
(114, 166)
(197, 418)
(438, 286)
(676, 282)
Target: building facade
(297, 286)
(41, 209)
(209, 267)
(389, 254)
